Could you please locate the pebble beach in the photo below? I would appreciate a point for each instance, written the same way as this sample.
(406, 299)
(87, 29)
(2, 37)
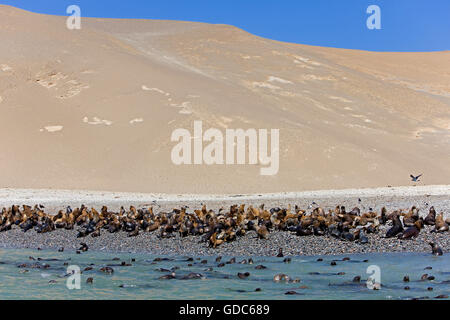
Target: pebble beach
(365, 199)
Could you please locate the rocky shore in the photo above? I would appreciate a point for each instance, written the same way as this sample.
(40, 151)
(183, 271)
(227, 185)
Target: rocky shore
(392, 199)
(244, 246)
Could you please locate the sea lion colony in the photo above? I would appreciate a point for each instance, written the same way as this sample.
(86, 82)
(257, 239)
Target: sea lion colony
(216, 228)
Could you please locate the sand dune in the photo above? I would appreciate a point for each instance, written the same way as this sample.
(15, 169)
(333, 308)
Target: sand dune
(109, 96)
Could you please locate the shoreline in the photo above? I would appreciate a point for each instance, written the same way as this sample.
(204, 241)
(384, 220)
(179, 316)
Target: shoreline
(248, 245)
(392, 198)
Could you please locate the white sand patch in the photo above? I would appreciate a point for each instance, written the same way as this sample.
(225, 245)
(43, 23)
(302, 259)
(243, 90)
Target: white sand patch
(145, 88)
(137, 120)
(340, 99)
(97, 121)
(75, 89)
(280, 80)
(52, 129)
(301, 65)
(88, 72)
(5, 68)
(1, 99)
(265, 85)
(66, 89)
(314, 77)
(307, 60)
(46, 83)
(185, 108)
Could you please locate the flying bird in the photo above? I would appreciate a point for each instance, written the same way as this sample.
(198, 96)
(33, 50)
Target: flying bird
(415, 178)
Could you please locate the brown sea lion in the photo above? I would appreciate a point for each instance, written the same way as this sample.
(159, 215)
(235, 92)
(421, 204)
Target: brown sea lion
(440, 225)
(430, 219)
(436, 250)
(412, 232)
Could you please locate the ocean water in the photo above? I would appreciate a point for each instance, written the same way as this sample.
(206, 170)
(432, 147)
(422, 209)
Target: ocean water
(318, 279)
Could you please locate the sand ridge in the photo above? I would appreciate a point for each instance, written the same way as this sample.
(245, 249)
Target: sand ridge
(347, 118)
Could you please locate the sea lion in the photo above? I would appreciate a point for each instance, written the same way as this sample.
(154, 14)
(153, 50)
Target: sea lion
(168, 276)
(411, 217)
(430, 219)
(84, 247)
(262, 232)
(440, 224)
(412, 232)
(192, 276)
(436, 250)
(280, 253)
(107, 270)
(243, 275)
(383, 218)
(281, 277)
(396, 228)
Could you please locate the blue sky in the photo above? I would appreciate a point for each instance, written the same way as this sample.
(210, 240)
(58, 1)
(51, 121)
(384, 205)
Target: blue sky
(407, 25)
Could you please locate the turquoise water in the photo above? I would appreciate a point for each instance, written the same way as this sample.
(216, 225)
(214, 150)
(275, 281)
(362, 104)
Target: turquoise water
(141, 279)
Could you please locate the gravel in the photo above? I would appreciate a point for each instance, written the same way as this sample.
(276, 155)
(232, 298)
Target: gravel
(249, 244)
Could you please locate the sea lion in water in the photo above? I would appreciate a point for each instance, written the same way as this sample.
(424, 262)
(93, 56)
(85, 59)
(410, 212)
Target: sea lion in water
(84, 247)
(167, 276)
(281, 277)
(243, 275)
(436, 250)
(107, 270)
(280, 253)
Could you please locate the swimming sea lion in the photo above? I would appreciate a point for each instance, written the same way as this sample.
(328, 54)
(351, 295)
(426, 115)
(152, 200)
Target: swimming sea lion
(436, 250)
(243, 275)
(280, 253)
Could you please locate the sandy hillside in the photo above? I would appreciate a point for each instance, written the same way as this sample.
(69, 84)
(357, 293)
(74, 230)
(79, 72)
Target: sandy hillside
(95, 108)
